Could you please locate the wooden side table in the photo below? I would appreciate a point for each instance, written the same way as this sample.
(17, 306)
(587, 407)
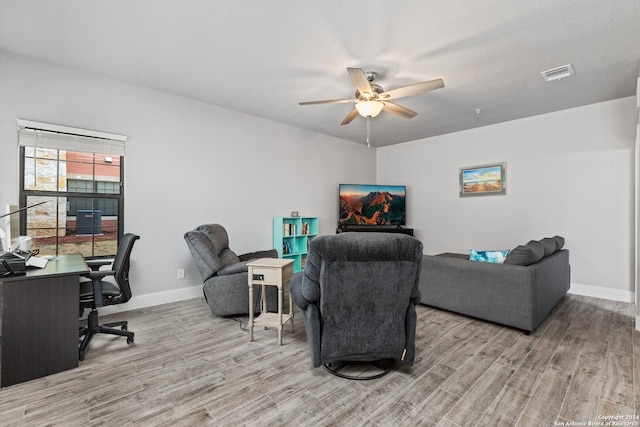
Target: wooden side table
(270, 272)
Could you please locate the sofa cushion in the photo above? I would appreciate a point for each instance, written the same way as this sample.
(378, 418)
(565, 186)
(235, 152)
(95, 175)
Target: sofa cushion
(527, 254)
(497, 257)
(549, 244)
(559, 242)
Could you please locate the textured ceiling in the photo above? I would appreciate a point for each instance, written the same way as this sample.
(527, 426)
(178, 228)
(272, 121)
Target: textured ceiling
(263, 57)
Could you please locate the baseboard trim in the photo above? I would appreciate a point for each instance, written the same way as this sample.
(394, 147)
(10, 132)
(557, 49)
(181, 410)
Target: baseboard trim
(604, 293)
(149, 300)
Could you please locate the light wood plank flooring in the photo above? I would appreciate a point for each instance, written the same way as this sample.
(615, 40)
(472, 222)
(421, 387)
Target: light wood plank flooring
(189, 368)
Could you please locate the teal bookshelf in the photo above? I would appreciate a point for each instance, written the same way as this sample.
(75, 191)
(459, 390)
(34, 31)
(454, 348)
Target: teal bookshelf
(291, 238)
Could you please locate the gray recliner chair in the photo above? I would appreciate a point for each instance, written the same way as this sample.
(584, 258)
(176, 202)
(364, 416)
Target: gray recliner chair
(357, 294)
(223, 272)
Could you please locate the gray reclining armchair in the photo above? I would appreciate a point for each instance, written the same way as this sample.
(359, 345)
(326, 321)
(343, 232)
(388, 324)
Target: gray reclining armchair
(357, 294)
(224, 273)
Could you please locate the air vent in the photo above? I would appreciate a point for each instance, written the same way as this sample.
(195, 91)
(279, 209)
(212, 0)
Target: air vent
(558, 73)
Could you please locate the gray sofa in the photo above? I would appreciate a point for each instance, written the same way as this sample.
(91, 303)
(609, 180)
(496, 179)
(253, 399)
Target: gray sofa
(519, 293)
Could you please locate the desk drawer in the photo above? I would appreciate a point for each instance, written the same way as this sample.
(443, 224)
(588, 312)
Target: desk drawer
(271, 275)
(266, 274)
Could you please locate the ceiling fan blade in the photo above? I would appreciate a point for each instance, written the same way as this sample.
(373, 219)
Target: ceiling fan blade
(412, 89)
(328, 101)
(359, 80)
(398, 110)
(352, 115)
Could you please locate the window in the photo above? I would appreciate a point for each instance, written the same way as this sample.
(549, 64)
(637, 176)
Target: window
(77, 183)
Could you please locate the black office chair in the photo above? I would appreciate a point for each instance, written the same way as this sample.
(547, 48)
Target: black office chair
(99, 292)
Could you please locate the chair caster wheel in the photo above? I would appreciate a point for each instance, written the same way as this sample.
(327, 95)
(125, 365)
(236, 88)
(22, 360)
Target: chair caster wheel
(129, 340)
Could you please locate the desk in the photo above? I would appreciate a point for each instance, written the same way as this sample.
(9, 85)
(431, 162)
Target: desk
(39, 320)
(270, 272)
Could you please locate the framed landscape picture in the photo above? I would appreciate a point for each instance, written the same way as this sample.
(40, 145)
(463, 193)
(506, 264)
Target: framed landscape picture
(483, 180)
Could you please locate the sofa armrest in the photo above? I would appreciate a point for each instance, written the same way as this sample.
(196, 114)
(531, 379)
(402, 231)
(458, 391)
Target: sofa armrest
(310, 314)
(269, 253)
(553, 279)
(295, 288)
(238, 267)
(303, 290)
(241, 267)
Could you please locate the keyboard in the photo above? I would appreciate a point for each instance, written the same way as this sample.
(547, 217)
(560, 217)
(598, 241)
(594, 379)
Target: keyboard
(35, 261)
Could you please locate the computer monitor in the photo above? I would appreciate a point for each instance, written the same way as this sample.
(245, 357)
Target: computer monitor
(11, 239)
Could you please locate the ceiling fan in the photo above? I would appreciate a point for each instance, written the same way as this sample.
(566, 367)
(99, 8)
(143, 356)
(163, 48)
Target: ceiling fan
(371, 99)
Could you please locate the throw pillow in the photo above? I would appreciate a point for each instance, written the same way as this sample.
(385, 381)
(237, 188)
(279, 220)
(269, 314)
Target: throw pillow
(527, 254)
(559, 242)
(537, 247)
(549, 244)
(497, 257)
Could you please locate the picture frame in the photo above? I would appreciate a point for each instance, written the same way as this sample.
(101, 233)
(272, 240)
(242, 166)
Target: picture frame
(483, 180)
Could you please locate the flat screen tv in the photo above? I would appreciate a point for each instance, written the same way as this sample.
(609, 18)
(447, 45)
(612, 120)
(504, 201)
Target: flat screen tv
(371, 204)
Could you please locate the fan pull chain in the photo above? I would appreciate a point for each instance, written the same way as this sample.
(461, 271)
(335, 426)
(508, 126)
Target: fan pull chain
(368, 131)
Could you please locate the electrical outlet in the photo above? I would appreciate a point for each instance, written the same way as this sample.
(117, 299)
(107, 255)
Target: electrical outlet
(181, 273)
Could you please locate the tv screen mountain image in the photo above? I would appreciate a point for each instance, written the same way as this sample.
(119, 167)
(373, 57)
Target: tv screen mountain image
(369, 204)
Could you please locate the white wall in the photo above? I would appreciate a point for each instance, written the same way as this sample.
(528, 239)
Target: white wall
(569, 173)
(187, 163)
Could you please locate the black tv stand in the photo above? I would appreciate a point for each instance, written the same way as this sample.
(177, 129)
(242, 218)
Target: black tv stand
(374, 229)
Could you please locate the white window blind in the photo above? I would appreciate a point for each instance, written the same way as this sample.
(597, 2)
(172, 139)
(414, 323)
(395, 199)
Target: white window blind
(46, 135)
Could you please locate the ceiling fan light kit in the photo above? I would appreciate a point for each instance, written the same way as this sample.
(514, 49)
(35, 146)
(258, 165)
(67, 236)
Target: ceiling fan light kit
(369, 108)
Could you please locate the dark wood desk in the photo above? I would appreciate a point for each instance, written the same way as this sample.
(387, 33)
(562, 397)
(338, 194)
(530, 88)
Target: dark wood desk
(39, 320)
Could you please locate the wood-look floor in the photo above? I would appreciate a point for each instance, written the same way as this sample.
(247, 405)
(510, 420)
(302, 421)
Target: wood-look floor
(189, 368)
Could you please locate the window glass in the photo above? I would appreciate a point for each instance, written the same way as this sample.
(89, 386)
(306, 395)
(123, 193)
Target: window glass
(83, 195)
(41, 170)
